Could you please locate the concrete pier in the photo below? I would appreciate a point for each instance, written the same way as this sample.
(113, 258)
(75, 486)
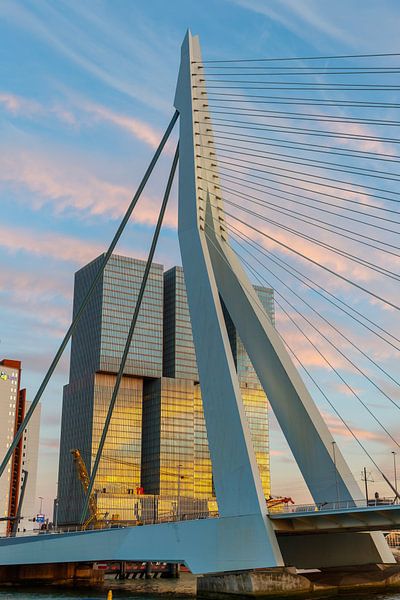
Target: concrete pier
(284, 582)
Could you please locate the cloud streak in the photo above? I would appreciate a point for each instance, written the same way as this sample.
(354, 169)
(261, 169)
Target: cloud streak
(139, 129)
(103, 60)
(57, 246)
(337, 428)
(83, 113)
(65, 184)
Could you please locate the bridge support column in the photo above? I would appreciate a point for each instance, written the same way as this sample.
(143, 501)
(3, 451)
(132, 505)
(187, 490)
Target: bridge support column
(283, 582)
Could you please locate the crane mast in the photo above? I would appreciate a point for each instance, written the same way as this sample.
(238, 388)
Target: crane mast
(84, 478)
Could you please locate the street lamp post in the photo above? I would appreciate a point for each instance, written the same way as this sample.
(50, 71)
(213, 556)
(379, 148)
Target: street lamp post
(395, 472)
(336, 477)
(41, 504)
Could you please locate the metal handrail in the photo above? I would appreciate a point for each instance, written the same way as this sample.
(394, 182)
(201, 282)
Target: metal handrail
(333, 505)
(285, 509)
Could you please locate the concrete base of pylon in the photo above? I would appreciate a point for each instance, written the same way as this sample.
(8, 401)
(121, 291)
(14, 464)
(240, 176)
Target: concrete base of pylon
(284, 582)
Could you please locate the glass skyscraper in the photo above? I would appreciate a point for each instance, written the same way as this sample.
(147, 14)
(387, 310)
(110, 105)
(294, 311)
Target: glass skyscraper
(99, 340)
(157, 440)
(179, 352)
(96, 351)
(170, 463)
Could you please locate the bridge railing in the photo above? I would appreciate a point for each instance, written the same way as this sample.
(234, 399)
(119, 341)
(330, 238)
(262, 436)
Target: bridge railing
(284, 509)
(115, 524)
(333, 505)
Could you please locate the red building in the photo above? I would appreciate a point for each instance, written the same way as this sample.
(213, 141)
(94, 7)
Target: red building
(12, 409)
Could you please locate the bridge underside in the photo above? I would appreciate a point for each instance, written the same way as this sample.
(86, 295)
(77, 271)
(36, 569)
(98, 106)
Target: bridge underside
(306, 540)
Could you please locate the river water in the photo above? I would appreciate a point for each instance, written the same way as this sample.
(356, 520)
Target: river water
(49, 594)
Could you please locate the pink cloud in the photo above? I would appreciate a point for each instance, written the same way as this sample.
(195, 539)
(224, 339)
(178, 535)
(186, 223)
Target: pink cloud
(57, 246)
(65, 183)
(25, 107)
(30, 286)
(362, 130)
(139, 129)
(18, 105)
(335, 262)
(337, 428)
(39, 362)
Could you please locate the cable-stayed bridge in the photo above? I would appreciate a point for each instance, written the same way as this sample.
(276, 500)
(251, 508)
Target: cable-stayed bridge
(270, 180)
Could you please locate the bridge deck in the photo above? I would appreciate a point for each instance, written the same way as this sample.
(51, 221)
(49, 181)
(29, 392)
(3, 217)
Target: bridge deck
(368, 518)
(194, 541)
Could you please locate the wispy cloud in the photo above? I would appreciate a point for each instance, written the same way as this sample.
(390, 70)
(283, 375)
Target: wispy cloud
(106, 60)
(64, 183)
(58, 246)
(18, 105)
(337, 428)
(80, 114)
(31, 286)
(139, 129)
(294, 14)
(332, 23)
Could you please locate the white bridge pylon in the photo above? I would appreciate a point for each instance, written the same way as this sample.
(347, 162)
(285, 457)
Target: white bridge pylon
(212, 271)
(243, 536)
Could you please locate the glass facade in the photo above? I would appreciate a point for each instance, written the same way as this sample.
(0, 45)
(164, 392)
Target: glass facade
(179, 353)
(244, 367)
(121, 284)
(76, 432)
(119, 468)
(180, 362)
(96, 352)
(203, 481)
(157, 438)
(98, 342)
(168, 437)
(256, 410)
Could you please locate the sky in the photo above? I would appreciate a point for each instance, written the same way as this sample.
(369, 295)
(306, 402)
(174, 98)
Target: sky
(86, 91)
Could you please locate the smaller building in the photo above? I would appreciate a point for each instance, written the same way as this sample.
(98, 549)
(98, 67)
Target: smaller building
(13, 406)
(11, 414)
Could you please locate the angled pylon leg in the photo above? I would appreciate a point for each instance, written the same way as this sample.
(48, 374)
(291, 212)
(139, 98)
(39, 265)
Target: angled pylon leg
(235, 471)
(212, 269)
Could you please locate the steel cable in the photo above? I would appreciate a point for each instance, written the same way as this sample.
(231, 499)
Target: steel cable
(318, 289)
(323, 393)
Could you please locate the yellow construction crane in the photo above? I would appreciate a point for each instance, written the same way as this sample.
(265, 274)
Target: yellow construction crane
(84, 479)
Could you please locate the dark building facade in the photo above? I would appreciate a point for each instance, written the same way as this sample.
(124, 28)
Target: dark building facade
(96, 351)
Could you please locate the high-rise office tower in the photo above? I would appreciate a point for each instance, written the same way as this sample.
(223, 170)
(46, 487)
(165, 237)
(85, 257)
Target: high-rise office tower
(157, 440)
(96, 352)
(175, 454)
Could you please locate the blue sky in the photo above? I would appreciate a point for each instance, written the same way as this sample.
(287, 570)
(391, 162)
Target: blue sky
(86, 91)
